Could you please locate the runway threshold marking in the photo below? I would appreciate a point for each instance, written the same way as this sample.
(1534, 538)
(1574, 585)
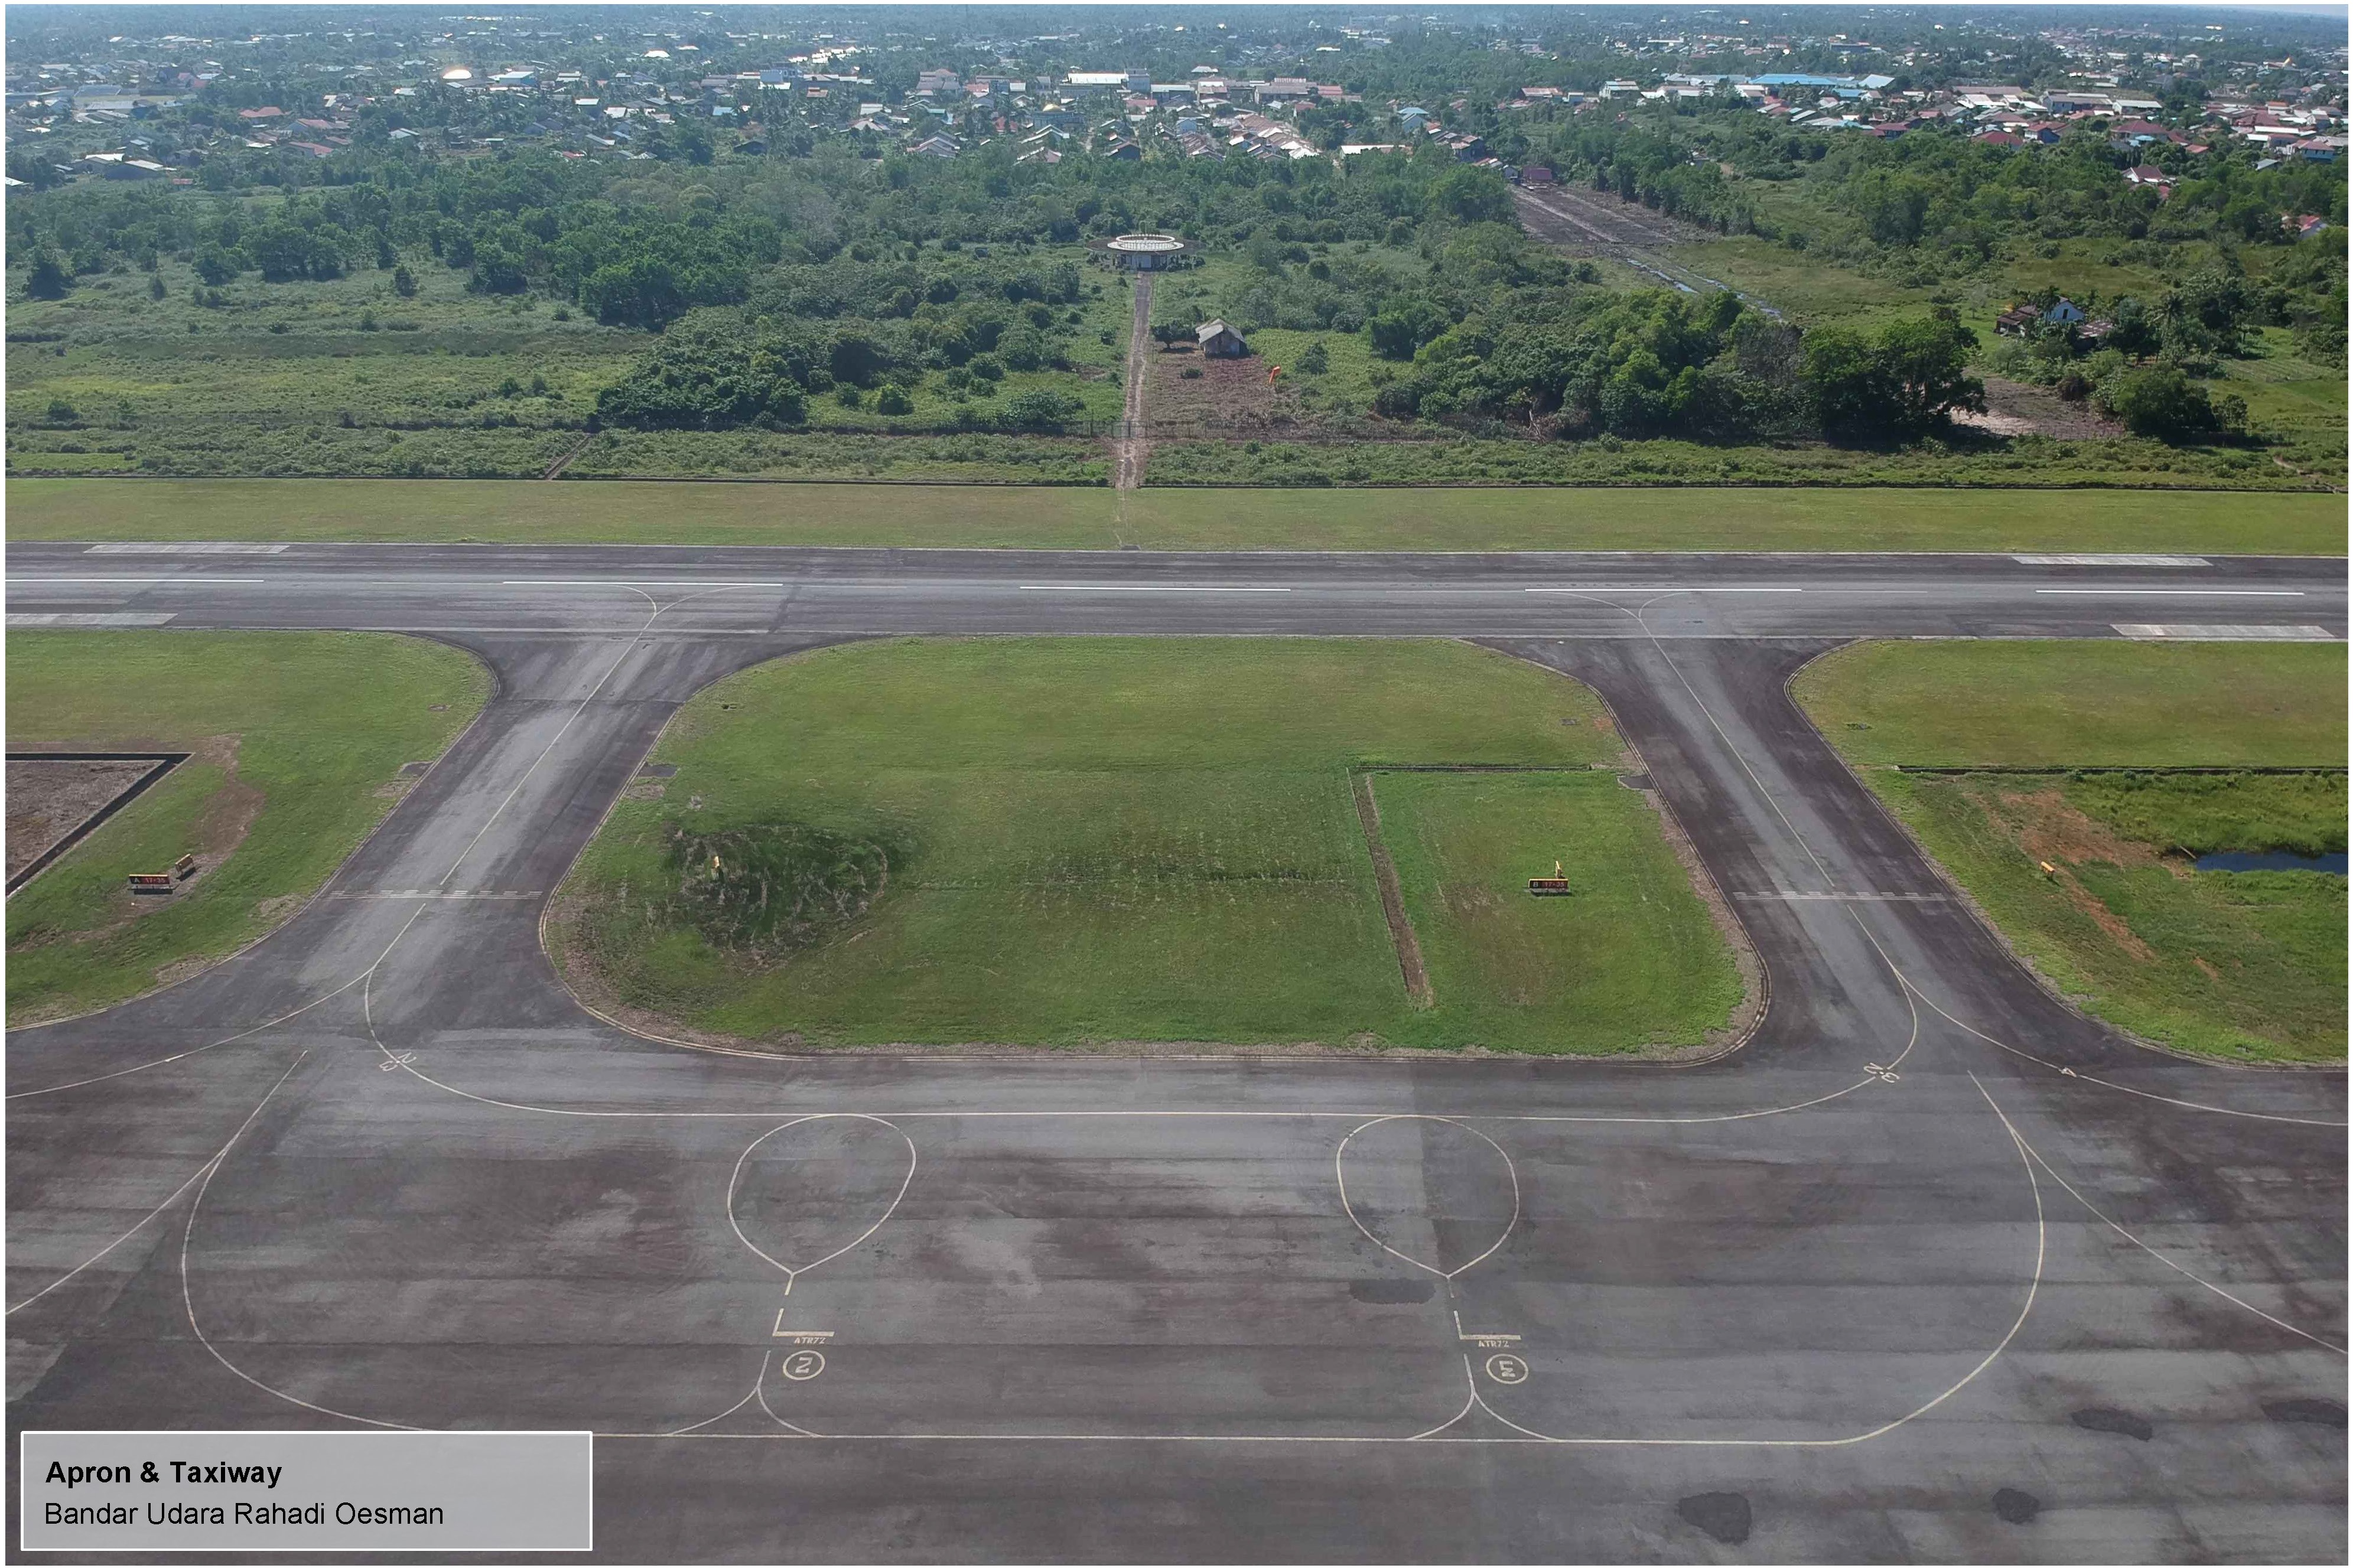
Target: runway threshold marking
(2182, 632)
(186, 549)
(2112, 561)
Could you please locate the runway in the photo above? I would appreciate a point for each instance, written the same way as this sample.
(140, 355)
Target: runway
(587, 591)
(1928, 1237)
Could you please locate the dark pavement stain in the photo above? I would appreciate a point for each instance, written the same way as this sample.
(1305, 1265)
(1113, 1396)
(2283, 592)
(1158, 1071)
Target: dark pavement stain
(2123, 1423)
(2017, 1506)
(2306, 1412)
(1391, 1292)
(1723, 1515)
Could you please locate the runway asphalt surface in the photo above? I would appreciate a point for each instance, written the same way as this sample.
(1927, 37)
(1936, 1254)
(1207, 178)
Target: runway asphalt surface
(1928, 1239)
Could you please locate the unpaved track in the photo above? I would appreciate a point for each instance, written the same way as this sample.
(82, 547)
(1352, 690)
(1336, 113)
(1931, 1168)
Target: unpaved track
(1131, 449)
(1586, 224)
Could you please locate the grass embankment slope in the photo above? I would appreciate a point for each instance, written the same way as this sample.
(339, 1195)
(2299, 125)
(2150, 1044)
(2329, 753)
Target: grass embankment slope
(299, 739)
(523, 512)
(2245, 965)
(1078, 842)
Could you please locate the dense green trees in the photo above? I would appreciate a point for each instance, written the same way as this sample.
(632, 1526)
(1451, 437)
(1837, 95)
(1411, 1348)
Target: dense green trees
(1659, 363)
(1905, 381)
(46, 279)
(850, 327)
(2159, 400)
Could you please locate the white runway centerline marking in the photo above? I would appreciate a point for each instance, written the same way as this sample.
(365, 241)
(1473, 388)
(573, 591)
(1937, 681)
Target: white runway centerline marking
(1852, 898)
(1669, 589)
(159, 577)
(2177, 592)
(1144, 588)
(622, 583)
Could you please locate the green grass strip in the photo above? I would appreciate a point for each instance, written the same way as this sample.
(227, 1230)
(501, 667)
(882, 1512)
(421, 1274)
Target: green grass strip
(301, 735)
(1053, 517)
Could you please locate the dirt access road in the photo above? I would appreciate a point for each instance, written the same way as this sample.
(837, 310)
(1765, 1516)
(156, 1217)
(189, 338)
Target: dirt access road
(1130, 449)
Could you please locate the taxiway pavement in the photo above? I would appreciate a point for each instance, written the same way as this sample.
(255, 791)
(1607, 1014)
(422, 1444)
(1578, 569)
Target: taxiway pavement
(1930, 1236)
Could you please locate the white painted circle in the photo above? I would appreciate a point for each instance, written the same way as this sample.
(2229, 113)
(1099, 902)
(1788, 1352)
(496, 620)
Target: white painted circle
(1508, 1369)
(801, 1365)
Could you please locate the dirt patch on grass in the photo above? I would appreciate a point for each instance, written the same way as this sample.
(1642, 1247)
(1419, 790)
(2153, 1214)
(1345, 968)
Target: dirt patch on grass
(2017, 409)
(2053, 833)
(227, 818)
(48, 800)
(2048, 827)
(1226, 394)
(230, 814)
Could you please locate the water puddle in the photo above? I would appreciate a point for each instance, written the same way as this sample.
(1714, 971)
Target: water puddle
(2276, 860)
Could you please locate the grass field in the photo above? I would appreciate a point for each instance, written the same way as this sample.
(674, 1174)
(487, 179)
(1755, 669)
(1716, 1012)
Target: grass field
(2082, 704)
(1080, 519)
(297, 736)
(1093, 841)
(2247, 966)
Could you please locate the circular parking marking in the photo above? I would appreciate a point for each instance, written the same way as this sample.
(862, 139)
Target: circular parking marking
(801, 1365)
(1508, 1369)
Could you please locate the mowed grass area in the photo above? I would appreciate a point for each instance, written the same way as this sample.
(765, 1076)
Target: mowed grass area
(2082, 703)
(299, 739)
(1097, 841)
(1061, 517)
(2245, 965)
(1508, 969)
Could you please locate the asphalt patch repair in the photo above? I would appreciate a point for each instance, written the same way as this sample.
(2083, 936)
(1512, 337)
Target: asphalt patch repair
(1723, 1516)
(2123, 1423)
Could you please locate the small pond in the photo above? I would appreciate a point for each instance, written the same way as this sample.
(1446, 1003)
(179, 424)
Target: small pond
(2276, 860)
